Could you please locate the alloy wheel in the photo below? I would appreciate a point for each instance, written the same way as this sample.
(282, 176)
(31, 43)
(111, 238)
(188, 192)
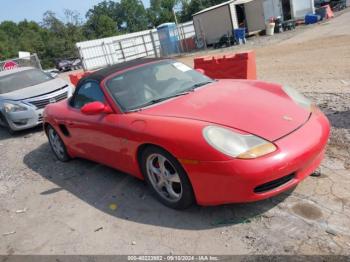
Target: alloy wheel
(164, 177)
(56, 144)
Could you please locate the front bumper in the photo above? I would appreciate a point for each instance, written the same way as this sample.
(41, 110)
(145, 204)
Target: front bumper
(24, 119)
(298, 155)
(33, 116)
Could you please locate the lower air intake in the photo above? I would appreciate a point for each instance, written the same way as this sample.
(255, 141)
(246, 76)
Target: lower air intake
(274, 184)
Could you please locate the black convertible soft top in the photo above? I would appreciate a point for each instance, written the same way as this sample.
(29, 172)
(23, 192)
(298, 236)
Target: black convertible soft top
(101, 74)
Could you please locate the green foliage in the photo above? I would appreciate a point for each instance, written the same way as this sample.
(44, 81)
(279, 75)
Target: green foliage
(55, 38)
(6, 49)
(161, 11)
(99, 27)
(103, 20)
(108, 8)
(134, 16)
(110, 18)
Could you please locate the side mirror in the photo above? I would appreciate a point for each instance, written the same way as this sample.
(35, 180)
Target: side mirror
(96, 108)
(53, 73)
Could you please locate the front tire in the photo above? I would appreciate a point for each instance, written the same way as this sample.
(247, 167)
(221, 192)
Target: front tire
(166, 178)
(57, 145)
(6, 124)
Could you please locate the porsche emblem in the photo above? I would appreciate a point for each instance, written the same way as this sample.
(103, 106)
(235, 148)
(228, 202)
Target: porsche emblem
(287, 118)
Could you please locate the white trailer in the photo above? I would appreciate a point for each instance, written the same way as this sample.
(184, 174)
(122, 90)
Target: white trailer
(300, 8)
(288, 9)
(212, 23)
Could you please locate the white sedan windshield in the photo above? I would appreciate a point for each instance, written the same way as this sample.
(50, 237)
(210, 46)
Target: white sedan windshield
(22, 79)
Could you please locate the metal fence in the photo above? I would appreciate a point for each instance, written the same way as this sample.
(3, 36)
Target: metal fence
(107, 51)
(31, 61)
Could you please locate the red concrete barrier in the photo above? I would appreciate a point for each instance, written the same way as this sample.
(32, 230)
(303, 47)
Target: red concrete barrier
(74, 78)
(235, 66)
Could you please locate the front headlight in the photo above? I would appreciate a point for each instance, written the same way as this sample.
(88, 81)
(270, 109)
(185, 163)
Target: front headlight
(10, 107)
(235, 144)
(298, 98)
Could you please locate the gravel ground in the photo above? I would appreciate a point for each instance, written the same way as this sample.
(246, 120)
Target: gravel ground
(80, 207)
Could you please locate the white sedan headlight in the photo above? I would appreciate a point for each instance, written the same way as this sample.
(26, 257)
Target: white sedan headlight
(298, 98)
(237, 145)
(10, 107)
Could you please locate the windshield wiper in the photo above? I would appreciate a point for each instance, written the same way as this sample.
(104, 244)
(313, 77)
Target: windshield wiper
(158, 100)
(199, 85)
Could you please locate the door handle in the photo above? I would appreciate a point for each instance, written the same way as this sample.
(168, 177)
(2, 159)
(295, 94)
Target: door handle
(69, 123)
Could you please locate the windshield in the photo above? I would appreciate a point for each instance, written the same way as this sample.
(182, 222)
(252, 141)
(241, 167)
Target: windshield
(154, 83)
(23, 79)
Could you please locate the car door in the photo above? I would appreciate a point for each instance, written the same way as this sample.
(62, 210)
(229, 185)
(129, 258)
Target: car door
(93, 136)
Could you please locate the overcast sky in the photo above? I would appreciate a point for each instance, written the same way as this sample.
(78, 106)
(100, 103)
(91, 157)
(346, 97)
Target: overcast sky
(17, 10)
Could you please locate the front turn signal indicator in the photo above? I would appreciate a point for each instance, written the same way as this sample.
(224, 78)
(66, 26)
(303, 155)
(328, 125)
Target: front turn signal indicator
(258, 151)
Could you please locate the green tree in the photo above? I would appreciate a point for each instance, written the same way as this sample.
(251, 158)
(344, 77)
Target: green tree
(10, 28)
(73, 28)
(108, 8)
(134, 15)
(25, 25)
(9, 33)
(161, 11)
(53, 24)
(100, 26)
(6, 48)
(60, 37)
(111, 9)
(31, 41)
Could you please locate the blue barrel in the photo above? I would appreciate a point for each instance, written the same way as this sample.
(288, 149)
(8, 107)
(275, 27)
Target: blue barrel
(239, 34)
(168, 38)
(312, 19)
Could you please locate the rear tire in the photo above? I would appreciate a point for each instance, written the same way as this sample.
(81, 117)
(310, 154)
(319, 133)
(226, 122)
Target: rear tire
(57, 145)
(166, 178)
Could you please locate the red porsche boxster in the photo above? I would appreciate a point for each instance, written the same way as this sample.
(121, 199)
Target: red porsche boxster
(191, 138)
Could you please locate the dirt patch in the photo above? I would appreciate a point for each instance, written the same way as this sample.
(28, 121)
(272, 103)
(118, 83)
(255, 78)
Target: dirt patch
(307, 211)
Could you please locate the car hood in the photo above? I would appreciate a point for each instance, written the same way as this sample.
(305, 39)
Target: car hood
(33, 91)
(259, 108)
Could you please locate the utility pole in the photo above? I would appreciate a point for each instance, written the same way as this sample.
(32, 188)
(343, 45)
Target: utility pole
(175, 17)
(177, 28)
